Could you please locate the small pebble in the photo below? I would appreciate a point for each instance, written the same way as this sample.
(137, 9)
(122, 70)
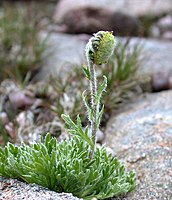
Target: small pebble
(20, 99)
(4, 118)
(160, 81)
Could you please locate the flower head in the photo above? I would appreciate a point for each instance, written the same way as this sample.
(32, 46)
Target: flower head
(100, 47)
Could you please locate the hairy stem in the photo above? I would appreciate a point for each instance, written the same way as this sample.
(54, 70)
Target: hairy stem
(94, 105)
(98, 51)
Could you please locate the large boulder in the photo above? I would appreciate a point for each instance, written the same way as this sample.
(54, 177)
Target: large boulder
(89, 20)
(82, 17)
(141, 137)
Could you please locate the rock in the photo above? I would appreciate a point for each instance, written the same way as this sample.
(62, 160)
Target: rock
(156, 57)
(90, 20)
(10, 129)
(4, 118)
(163, 28)
(141, 136)
(100, 135)
(129, 7)
(17, 190)
(20, 100)
(170, 82)
(154, 32)
(167, 35)
(65, 51)
(25, 118)
(12, 97)
(165, 23)
(160, 82)
(31, 132)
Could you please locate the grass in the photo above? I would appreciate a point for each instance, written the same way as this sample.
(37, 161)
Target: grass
(146, 24)
(21, 50)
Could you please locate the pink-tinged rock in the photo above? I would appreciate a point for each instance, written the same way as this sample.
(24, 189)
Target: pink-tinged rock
(21, 119)
(167, 35)
(4, 118)
(170, 82)
(19, 100)
(165, 22)
(10, 130)
(160, 81)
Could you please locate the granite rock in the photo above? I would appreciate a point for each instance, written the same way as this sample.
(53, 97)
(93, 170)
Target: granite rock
(141, 137)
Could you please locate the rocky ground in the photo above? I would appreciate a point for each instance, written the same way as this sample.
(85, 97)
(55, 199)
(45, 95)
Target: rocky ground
(140, 133)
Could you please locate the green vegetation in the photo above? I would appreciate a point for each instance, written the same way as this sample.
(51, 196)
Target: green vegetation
(66, 167)
(4, 135)
(146, 23)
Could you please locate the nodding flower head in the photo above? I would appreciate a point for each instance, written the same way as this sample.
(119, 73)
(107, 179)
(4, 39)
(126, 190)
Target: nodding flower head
(100, 47)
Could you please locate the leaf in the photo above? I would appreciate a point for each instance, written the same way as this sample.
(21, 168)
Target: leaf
(69, 121)
(87, 138)
(47, 139)
(87, 72)
(100, 116)
(89, 109)
(79, 125)
(101, 89)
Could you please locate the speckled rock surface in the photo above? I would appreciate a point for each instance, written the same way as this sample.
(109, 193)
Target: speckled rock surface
(12, 189)
(141, 136)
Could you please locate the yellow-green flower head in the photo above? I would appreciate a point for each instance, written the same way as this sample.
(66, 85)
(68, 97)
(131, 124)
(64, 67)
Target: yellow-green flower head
(100, 47)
